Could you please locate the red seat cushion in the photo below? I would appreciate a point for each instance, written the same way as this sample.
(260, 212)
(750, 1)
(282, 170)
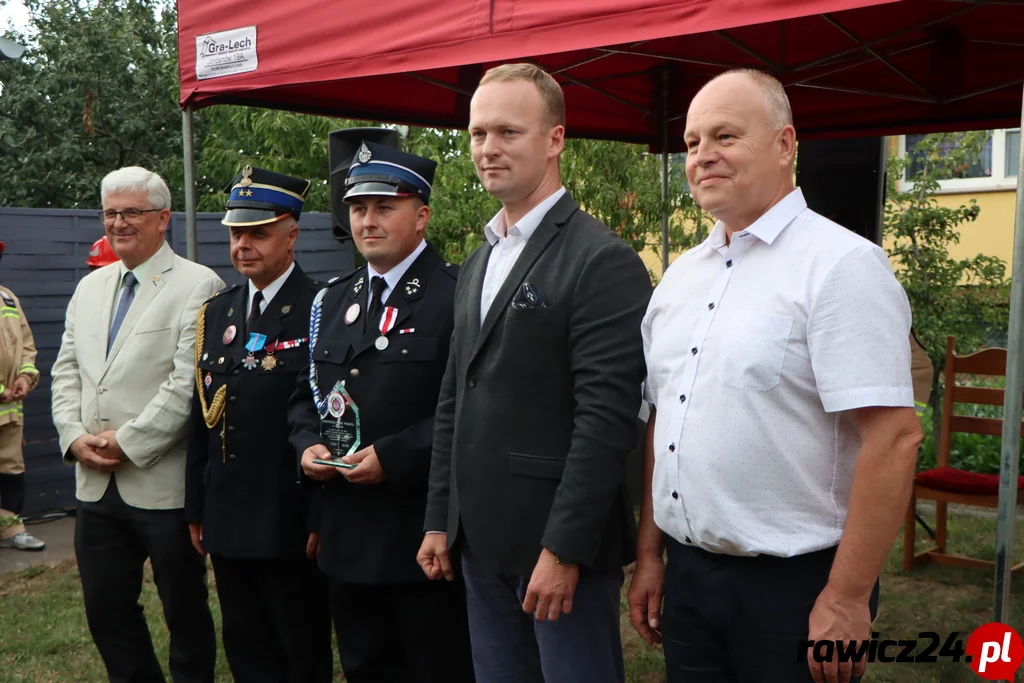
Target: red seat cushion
(952, 480)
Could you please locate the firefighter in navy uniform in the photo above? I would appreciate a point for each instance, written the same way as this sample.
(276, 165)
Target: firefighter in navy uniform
(384, 332)
(245, 498)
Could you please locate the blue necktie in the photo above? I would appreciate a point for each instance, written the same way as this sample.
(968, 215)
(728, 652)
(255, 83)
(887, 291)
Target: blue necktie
(123, 304)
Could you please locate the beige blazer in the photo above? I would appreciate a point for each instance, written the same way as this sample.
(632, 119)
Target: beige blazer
(144, 388)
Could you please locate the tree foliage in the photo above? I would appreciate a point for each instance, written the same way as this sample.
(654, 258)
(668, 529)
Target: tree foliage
(963, 297)
(95, 90)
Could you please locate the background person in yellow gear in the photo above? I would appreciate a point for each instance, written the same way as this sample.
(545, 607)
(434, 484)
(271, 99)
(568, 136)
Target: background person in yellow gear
(18, 376)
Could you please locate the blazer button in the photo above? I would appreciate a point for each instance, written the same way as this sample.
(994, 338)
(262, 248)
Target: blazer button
(235, 372)
(232, 398)
(231, 428)
(354, 371)
(471, 382)
(231, 457)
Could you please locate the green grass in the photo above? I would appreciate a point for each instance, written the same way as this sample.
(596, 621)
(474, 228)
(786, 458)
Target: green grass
(44, 637)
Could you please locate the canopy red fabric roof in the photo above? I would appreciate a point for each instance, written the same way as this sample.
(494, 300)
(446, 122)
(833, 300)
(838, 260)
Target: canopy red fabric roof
(850, 66)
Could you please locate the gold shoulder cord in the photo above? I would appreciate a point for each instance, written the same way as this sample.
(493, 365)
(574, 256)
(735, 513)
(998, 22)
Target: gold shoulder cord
(213, 412)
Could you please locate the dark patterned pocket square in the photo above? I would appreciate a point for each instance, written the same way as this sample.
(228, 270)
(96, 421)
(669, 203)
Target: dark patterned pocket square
(528, 297)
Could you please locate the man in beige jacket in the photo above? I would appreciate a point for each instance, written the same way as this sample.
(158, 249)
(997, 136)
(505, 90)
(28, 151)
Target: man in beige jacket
(18, 376)
(122, 390)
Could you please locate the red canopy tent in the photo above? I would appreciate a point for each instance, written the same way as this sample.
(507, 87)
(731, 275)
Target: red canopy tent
(885, 67)
(629, 69)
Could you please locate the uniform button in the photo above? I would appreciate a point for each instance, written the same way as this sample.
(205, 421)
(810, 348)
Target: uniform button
(672, 448)
(405, 352)
(676, 497)
(728, 264)
(232, 398)
(711, 307)
(326, 353)
(354, 371)
(231, 428)
(682, 398)
(471, 382)
(694, 350)
(231, 457)
(235, 372)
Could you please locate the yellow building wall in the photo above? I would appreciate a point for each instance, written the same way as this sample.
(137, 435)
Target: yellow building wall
(992, 233)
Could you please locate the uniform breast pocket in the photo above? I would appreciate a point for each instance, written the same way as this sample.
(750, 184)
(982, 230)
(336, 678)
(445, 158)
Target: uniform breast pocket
(754, 350)
(410, 349)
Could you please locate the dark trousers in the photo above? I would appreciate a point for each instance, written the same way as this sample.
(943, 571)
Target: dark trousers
(276, 617)
(510, 646)
(12, 492)
(402, 633)
(112, 542)
(729, 619)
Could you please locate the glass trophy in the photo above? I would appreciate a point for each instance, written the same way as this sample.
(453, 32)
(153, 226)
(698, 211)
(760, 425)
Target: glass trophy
(340, 427)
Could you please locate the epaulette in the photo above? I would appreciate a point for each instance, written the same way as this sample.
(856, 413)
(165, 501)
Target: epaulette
(451, 270)
(340, 278)
(226, 290)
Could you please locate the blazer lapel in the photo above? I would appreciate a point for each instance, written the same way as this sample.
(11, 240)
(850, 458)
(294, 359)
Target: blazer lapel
(409, 289)
(538, 242)
(356, 296)
(475, 284)
(110, 289)
(163, 263)
(236, 317)
(281, 307)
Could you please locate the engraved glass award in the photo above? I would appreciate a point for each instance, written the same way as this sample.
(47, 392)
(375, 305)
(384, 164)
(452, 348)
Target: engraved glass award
(339, 426)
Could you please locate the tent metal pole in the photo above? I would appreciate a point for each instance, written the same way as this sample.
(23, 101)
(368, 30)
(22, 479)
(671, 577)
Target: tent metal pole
(190, 184)
(664, 171)
(1011, 409)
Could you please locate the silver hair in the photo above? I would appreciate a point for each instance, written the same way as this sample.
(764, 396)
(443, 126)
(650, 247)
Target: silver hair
(137, 179)
(777, 107)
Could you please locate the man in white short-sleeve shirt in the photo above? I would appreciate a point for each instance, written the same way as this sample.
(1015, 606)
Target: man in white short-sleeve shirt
(781, 446)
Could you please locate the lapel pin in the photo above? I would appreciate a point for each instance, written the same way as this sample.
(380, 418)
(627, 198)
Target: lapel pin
(286, 309)
(358, 286)
(351, 314)
(208, 380)
(229, 335)
(231, 312)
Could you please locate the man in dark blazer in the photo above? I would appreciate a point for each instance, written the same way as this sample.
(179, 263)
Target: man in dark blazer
(379, 347)
(537, 413)
(245, 498)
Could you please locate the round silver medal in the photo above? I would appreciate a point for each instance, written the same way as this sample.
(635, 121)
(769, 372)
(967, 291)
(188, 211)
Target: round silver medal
(381, 343)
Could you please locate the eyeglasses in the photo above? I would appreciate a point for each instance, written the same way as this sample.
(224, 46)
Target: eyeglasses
(128, 215)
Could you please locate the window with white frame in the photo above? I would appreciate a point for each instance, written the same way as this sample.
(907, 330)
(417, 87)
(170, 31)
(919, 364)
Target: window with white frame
(994, 169)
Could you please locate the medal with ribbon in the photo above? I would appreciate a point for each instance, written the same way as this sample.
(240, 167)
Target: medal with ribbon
(387, 321)
(256, 341)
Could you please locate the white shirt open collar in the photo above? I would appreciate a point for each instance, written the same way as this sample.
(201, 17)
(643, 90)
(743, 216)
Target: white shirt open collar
(527, 225)
(768, 227)
(393, 276)
(270, 291)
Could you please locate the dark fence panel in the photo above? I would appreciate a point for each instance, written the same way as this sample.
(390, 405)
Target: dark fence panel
(45, 258)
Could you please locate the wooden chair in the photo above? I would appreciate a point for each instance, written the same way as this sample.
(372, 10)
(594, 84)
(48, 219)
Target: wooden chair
(945, 484)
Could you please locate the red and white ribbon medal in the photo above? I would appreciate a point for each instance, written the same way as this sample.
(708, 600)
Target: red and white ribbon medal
(387, 321)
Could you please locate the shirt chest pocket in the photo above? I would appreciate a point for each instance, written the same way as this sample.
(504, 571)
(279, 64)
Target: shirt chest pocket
(754, 350)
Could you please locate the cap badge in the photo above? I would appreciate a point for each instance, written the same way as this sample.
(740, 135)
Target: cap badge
(246, 179)
(364, 154)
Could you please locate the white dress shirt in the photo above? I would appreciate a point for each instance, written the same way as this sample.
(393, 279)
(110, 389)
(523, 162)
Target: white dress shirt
(393, 276)
(754, 350)
(269, 291)
(506, 246)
